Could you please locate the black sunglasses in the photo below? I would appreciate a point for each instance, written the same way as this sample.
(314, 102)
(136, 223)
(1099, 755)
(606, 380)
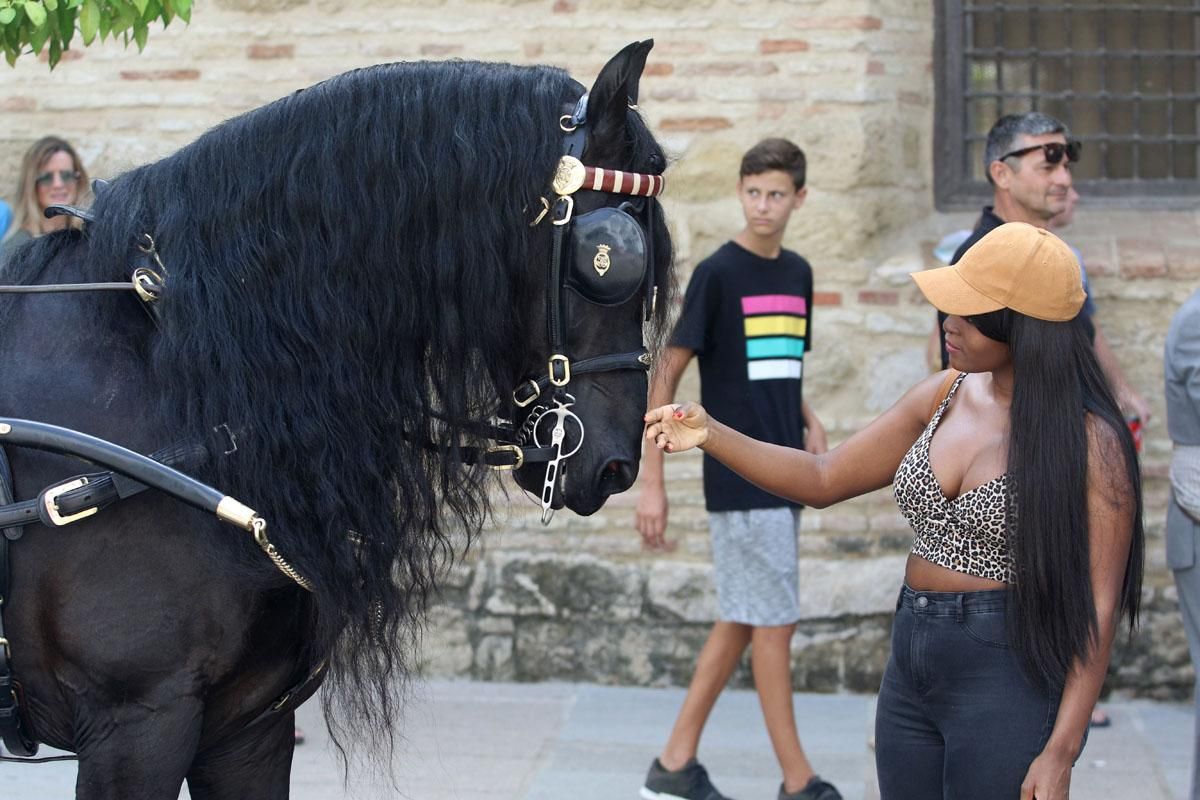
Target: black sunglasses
(64, 175)
(1054, 151)
(994, 325)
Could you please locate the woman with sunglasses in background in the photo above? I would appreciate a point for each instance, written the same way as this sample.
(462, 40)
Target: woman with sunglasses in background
(1018, 475)
(51, 173)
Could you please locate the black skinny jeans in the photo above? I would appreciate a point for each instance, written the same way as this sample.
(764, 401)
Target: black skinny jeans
(957, 719)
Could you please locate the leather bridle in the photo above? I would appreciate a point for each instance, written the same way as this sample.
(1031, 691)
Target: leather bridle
(547, 393)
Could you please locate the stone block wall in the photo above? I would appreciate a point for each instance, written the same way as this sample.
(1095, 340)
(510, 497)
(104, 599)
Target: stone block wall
(849, 80)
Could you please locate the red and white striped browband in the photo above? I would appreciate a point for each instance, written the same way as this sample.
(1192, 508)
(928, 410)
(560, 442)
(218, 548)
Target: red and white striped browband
(615, 181)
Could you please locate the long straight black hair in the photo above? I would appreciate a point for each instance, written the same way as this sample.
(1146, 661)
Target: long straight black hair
(1057, 382)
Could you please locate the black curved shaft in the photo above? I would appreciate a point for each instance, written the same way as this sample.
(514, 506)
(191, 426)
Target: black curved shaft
(40, 436)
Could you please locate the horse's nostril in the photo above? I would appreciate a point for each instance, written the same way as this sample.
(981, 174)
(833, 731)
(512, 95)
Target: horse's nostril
(617, 476)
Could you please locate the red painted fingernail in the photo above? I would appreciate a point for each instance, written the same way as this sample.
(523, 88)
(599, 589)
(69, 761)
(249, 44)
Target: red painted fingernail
(678, 414)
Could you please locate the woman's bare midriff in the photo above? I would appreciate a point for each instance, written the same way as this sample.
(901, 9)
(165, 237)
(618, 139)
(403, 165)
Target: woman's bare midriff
(925, 576)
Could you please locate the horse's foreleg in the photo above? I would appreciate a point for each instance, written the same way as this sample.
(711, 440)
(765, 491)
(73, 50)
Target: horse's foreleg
(137, 753)
(255, 764)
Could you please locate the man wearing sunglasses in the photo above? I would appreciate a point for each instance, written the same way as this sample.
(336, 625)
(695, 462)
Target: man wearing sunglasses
(1028, 161)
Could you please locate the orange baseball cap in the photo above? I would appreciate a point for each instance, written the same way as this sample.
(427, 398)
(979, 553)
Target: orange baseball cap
(1017, 266)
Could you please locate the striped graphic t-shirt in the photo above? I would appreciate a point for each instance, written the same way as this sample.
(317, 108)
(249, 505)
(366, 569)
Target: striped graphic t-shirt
(775, 326)
(749, 321)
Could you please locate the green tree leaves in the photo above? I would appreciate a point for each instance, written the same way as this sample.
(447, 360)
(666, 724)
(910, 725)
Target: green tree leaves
(36, 13)
(35, 26)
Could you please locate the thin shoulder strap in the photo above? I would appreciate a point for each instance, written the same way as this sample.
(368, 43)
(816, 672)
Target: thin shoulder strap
(943, 392)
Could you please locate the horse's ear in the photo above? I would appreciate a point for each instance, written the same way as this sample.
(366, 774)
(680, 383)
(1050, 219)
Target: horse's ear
(616, 87)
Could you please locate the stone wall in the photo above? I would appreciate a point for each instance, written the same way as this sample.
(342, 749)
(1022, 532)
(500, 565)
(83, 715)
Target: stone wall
(851, 81)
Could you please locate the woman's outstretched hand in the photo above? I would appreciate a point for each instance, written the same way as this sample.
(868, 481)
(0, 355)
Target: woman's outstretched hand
(675, 428)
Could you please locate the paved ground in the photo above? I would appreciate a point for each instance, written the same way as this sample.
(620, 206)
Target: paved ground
(471, 741)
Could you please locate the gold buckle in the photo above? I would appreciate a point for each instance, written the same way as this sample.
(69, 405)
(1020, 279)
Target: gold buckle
(537, 392)
(556, 358)
(52, 507)
(511, 448)
(147, 283)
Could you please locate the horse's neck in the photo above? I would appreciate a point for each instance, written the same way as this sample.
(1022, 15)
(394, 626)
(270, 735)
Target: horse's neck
(77, 360)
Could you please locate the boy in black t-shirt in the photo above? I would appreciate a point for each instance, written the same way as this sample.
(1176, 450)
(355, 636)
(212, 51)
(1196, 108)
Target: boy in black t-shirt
(747, 317)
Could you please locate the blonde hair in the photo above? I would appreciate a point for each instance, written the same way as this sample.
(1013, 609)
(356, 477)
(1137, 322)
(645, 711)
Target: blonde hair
(27, 214)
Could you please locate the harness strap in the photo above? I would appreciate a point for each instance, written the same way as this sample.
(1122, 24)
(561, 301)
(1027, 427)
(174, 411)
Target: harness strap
(506, 456)
(39, 435)
(6, 496)
(574, 142)
(12, 729)
(144, 281)
(14, 516)
(26, 433)
(294, 697)
(650, 298)
(47, 288)
(558, 367)
(91, 492)
(531, 389)
(62, 209)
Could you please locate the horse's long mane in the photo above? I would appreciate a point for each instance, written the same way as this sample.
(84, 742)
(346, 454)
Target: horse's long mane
(342, 264)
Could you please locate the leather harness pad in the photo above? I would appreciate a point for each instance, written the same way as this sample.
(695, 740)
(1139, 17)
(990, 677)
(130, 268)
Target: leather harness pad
(608, 256)
(15, 730)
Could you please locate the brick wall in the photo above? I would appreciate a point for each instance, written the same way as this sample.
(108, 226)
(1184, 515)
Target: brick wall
(851, 81)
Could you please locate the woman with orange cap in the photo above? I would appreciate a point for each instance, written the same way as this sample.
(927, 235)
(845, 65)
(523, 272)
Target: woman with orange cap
(1019, 478)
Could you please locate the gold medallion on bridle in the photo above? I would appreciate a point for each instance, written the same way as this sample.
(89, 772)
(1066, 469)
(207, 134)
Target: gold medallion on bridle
(568, 177)
(601, 261)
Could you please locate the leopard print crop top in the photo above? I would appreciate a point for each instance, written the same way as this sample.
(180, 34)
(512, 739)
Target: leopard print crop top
(966, 534)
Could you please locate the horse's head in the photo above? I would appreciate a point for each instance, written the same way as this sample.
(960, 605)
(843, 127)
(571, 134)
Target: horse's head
(608, 275)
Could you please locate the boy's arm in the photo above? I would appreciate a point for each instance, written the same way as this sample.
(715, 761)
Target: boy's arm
(815, 439)
(651, 515)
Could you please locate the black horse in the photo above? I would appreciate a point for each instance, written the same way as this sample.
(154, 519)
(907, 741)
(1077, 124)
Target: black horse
(357, 277)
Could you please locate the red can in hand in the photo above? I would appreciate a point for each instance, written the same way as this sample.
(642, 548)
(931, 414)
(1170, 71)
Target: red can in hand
(1135, 428)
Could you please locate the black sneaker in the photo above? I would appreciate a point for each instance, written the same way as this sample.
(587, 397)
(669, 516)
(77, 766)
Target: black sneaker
(689, 783)
(816, 789)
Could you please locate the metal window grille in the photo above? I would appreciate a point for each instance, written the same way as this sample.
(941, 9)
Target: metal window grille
(1123, 76)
